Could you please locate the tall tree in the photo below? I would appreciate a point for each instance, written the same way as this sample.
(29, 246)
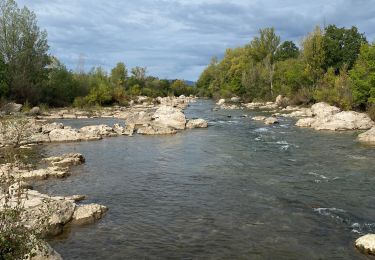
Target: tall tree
(263, 49)
(119, 75)
(286, 50)
(24, 48)
(341, 46)
(314, 55)
(3, 78)
(363, 76)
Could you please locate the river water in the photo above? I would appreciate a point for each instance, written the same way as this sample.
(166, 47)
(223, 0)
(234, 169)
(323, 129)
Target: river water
(237, 190)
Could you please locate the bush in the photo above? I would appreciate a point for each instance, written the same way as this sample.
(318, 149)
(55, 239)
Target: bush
(304, 96)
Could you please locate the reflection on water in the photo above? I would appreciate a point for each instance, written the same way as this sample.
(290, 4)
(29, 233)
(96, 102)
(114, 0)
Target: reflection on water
(237, 190)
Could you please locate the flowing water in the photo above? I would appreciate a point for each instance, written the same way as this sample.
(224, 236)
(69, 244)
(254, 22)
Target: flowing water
(237, 190)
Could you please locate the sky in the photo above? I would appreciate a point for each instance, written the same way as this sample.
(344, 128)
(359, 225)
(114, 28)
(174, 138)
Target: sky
(177, 38)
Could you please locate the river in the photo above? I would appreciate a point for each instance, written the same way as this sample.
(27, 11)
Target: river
(236, 190)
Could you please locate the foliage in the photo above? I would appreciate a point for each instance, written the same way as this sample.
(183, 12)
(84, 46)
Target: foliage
(314, 55)
(24, 48)
(287, 50)
(119, 75)
(335, 90)
(363, 76)
(341, 46)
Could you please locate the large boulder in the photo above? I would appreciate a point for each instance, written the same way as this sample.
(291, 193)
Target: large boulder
(12, 107)
(64, 135)
(196, 123)
(171, 117)
(366, 244)
(368, 137)
(139, 118)
(85, 214)
(323, 110)
(35, 111)
(346, 120)
(281, 101)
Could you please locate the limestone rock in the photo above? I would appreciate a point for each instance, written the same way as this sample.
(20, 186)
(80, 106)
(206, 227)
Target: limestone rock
(220, 102)
(196, 123)
(35, 111)
(324, 110)
(85, 214)
(368, 137)
(235, 99)
(150, 129)
(366, 244)
(45, 252)
(10, 108)
(97, 130)
(66, 160)
(171, 117)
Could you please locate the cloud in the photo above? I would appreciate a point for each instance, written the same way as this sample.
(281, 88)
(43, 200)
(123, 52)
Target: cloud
(176, 38)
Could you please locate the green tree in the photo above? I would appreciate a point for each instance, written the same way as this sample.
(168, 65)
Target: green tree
(314, 55)
(119, 75)
(24, 48)
(3, 78)
(341, 46)
(286, 50)
(263, 49)
(363, 77)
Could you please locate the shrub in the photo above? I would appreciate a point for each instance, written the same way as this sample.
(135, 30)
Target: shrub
(371, 111)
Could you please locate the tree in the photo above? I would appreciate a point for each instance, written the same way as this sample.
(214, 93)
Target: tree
(363, 77)
(119, 75)
(3, 78)
(341, 46)
(314, 55)
(139, 73)
(24, 48)
(286, 50)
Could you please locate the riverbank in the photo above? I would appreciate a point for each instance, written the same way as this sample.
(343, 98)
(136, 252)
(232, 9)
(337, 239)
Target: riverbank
(162, 116)
(320, 116)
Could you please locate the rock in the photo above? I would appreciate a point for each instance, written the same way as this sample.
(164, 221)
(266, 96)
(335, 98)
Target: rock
(47, 128)
(44, 252)
(64, 135)
(149, 129)
(281, 101)
(305, 122)
(118, 129)
(97, 130)
(368, 137)
(271, 121)
(302, 112)
(346, 120)
(66, 160)
(129, 129)
(221, 102)
(366, 244)
(76, 198)
(170, 117)
(324, 110)
(12, 107)
(139, 118)
(43, 174)
(235, 99)
(196, 123)
(35, 111)
(259, 118)
(85, 214)
(71, 135)
(340, 121)
(141, 99)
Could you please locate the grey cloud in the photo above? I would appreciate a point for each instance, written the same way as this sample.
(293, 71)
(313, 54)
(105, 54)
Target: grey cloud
(176, 38)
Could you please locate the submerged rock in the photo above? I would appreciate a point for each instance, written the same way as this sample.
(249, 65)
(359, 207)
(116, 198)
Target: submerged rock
(271, 121)
(259, 118)
(196, 123)
(366, 244)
